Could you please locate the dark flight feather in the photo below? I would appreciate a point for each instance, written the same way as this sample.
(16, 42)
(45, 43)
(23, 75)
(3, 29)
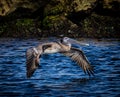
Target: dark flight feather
(79, 57)
(32, 61)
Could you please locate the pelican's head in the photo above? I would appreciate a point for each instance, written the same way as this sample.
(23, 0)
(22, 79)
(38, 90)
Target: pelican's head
(65, 41)
(69, 41)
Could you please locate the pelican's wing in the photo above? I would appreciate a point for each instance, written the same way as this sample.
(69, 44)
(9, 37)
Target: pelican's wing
(79, 57)
(32, 61)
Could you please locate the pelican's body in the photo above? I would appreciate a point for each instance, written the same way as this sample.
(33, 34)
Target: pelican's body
(53, 47)
(63, 47)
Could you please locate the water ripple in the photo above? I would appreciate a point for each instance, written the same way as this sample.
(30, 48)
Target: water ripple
(57, 75)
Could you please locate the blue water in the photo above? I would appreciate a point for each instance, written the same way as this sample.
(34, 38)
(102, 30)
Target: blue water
(58, 76)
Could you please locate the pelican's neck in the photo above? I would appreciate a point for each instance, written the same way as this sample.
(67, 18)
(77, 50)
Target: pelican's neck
(69, 44)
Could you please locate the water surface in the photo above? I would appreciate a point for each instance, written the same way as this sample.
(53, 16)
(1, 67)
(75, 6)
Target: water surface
(58, 76)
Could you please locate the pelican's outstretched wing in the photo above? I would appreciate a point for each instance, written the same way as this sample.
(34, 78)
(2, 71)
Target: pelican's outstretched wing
(32, 61)
(79, 57)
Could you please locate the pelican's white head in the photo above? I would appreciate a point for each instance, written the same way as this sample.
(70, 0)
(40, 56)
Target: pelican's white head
(69, 41)
(65, 41)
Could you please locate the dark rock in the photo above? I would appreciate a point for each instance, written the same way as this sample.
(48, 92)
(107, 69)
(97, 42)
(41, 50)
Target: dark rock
(73, 18)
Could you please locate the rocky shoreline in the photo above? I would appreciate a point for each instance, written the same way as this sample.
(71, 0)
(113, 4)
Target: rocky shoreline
(77, 18)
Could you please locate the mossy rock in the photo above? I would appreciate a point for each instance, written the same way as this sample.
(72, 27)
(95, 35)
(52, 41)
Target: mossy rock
(53, 10)
(21, 28)
(24, 22)
(100, 26)
(50, 21)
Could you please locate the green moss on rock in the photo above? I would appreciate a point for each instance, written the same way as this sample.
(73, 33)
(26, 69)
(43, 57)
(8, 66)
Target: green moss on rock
(20, 28)
(50, 21)
(53, 9)
(24, 22)
(99, 26)
(28, 17)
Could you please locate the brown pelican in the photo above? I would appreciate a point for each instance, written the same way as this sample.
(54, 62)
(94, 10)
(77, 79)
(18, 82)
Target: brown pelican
(64, 47)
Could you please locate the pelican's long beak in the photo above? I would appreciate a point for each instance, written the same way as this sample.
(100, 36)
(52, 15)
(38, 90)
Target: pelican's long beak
(73, 41)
